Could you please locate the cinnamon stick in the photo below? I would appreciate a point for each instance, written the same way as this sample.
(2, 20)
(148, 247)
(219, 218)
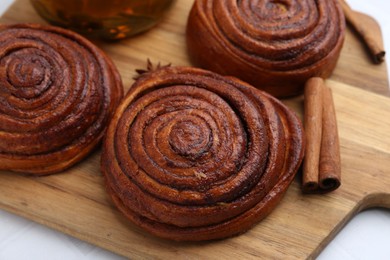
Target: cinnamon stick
(321, 168)
(375, 49)
(313, 130)
(329, 171)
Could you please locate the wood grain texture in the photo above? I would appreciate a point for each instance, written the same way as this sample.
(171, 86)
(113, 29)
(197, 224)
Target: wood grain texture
(75, 202)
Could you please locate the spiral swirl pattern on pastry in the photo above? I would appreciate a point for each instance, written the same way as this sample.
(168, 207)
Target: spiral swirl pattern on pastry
(191, 155)
(57, 93)
(275, 45)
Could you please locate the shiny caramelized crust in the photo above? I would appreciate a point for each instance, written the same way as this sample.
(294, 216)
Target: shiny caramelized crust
(57, 94)
(275, 45)
(192, 155)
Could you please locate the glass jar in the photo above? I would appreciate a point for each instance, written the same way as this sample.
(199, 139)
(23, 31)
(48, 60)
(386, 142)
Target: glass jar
(107, 19)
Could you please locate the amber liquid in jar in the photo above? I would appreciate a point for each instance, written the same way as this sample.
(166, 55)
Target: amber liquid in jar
(108, 19)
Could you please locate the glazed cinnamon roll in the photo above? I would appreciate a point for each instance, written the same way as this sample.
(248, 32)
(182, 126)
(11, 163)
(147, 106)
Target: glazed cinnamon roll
(274, 45)
(192, 155)
(57, 94)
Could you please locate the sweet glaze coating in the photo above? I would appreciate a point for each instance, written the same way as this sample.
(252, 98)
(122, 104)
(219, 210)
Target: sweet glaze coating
(275, 45)
(57, 94)
(192, 155)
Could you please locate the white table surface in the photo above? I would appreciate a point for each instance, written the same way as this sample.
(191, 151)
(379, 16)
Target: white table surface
(366, 236)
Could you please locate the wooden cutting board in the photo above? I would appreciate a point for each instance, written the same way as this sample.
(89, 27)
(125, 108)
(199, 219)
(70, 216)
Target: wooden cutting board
(75, 202)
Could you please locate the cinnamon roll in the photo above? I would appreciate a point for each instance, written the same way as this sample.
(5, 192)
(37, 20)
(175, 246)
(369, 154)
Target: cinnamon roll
(192, 155)
(274, 45)
(57, 94)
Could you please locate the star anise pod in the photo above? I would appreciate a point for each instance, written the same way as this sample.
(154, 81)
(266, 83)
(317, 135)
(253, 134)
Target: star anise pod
(149, 68)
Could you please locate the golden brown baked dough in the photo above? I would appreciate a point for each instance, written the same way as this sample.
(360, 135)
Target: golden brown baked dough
(57, 93)
(273, 45)
(192, 155)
